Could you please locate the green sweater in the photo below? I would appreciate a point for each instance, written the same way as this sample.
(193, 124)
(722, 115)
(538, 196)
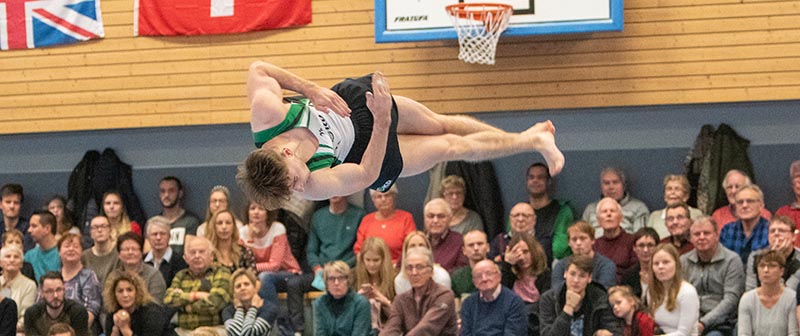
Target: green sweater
(353, 316)
(332, 236)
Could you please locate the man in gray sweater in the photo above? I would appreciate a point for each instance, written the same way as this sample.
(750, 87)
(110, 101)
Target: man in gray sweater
(718, 275)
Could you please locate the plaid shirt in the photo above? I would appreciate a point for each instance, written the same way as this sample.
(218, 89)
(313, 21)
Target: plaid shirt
(215, 281)
(733, 238)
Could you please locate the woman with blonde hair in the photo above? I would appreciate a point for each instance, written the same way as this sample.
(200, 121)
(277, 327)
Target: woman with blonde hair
(247, 315)
(418, 239)
(218, 200)
(130, 308)
(673, 301)
(340, 311)
(454, 192)
(114, 210)
(374, 278)
(224, 235)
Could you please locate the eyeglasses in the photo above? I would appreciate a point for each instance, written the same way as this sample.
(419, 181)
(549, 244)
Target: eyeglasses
(747, 200)
(417, 268)
(523, 215)
(335, 279)
(674, 218)
(771, 265)
(484, 275)
(100, 227)
(645, 246)
(779, 230)
(437, 216)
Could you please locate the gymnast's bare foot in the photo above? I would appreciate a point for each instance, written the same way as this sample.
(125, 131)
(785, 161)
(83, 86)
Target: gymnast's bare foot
(544, 133)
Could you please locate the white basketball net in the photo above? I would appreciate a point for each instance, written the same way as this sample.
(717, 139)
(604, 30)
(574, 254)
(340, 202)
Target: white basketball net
(478, 38)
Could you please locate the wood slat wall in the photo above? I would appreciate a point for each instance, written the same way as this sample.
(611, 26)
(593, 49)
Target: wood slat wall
(671, 52)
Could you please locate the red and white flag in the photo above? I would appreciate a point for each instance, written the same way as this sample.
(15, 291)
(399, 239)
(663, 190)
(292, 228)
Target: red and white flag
(201, 17)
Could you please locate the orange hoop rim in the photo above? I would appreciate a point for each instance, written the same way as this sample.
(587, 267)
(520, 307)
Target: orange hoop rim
(478, 10)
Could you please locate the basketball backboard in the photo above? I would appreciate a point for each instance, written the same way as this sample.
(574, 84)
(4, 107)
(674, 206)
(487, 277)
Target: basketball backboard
(423, 20)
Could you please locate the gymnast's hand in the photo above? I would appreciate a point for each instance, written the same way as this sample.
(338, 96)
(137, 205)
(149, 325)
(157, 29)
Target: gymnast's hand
(327, 101)
(379, 101)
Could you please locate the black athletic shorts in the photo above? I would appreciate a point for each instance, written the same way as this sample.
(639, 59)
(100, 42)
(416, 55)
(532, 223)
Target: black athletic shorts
(353, 91)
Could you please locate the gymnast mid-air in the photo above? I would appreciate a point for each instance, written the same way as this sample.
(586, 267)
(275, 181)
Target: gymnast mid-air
(356, 135)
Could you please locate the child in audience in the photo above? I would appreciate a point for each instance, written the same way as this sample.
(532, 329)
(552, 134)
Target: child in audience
(628, 308)
(374, 278)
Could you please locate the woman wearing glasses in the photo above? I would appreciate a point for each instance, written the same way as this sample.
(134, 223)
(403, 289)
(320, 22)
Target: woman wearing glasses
(770, 308)
(341, 311)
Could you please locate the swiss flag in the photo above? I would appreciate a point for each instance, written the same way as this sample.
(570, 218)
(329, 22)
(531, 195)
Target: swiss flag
(200, 17)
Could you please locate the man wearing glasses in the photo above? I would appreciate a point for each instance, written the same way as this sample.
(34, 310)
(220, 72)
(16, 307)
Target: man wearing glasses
(781, 237)
(428, 308)
(678, 219)
(54, 308)
(102, 257)
(493, 309)
(717, 274)
(750, 231)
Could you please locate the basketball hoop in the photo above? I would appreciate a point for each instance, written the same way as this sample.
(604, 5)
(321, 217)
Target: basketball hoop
(479, 26)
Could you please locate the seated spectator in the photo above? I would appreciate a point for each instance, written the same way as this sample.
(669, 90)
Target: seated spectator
(387, 222)
(161, 256)
(12, 197)
(494, 309)
(130, 248)
(130, 308)
(717, 275)
(581, 240)
(769, 309)
(475, 249)
(734, 180)
(781, 239)
(61, 329)
(55, 308)
(182, 222)
(463, 220)
(553, 216)
(676, 191)
(615, 243)
(14, 285)
(114, 210)
(200, 292)
(440, 275)
(374, 279)
(426, 309)
(340, 311)
(247, 315)
(613, 184)
(577, 306)
(522, 219)
(274, 260)
(628, 308)
(525, 268)
(224, 236)
(80, 284)
(8, 315)
(445, 243)
(674, 302)
(102, 258)
(750, 231)
(332, 235)
(644, 243)
(64, 222)
(792, 210)
(43, 257)
(218, 200)
(14, 237)
(678, 221)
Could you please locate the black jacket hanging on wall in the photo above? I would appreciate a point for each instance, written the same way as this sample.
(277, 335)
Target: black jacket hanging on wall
(96, 174)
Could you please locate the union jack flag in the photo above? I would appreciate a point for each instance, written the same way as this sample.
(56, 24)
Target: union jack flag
(40, 23)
